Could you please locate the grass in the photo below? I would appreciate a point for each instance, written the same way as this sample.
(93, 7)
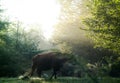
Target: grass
(59, 80)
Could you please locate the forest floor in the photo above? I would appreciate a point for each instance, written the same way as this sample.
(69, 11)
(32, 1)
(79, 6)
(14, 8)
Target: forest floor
(59, 80)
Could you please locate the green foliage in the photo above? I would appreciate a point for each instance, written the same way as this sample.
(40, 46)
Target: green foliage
(16, 49)
(9, 62)
(104, 24)
(115, 69)
(24, 42)
(104, 28)
(3, 25)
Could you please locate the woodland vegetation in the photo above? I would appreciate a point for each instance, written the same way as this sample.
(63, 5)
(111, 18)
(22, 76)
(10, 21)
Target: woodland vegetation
(88, 31)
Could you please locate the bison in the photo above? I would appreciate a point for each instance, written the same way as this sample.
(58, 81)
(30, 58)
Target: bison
(46, 61)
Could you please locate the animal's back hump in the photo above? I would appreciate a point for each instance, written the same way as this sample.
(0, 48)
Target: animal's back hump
(44, 57)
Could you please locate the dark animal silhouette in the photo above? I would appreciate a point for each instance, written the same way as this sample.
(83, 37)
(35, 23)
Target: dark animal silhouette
(46, 61)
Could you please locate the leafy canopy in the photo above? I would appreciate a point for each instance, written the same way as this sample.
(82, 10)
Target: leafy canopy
(104, 23)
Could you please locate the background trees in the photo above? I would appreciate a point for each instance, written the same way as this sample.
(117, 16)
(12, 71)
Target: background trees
(102, 20)
(104, 23)
(104, 27)
(17, 48)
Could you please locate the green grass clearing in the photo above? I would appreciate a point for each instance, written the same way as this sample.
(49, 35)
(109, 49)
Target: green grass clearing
(59, 80)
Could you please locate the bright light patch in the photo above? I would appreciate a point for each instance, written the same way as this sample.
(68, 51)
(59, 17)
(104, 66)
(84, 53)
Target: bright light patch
(44, 12)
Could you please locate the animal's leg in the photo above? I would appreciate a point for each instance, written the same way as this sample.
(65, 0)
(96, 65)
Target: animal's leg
(39, 72)
(54, 74)
(32, 70)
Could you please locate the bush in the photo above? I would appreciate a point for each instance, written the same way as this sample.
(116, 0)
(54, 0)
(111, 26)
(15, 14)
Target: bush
(115, 69)
(9, 62)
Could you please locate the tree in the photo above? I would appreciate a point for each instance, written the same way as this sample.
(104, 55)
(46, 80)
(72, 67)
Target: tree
(70, 34)
(17, 48)
(104, 24)
(69, 26)
(7, 55)
(104, 27)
